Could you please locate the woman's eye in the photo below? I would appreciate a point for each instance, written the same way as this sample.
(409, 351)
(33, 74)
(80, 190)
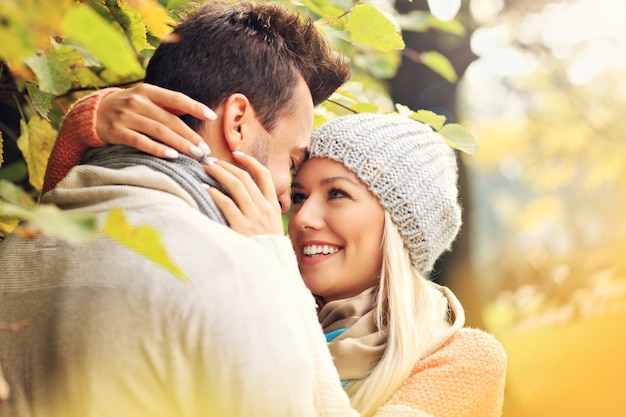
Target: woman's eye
(297, 198)
(337, 193)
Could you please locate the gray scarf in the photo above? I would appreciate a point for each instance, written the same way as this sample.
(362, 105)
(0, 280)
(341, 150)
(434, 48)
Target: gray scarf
(187, 172)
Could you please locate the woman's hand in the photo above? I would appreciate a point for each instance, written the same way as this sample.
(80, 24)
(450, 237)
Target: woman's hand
(253, 208)
(142, 115)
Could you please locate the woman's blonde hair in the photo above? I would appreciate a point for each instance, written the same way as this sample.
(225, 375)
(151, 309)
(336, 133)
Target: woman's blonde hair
(407, 314)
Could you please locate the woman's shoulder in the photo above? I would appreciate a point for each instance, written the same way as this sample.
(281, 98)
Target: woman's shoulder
(476, 342)
(464, 377)
(468, 348)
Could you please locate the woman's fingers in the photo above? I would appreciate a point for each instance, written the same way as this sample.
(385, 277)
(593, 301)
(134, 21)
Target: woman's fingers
(248, 210)
(259, 172)
(147, 113)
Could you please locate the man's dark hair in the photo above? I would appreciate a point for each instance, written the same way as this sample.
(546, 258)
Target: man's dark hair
(254, 48)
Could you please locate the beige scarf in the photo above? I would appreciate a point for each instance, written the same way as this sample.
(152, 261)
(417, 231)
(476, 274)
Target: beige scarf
(358, 349)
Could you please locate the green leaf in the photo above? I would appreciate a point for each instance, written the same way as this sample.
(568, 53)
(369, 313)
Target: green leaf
(439, 64)
(323, 9)
(132, 23)
(41, 101)
(144, 240)
(334, 23)
(36, 141)
(379, 65)
(370, 27)
(453, 26)
(365, 108)
(74, 228)
(434, 120)
(85, 27)
(11, 193)
(174, 4)
(54, 70)
(459, 138)
(415, 21)
(15, 171)
(18, 204)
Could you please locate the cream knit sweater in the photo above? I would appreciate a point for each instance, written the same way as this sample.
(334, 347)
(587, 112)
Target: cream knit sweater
(114, 334)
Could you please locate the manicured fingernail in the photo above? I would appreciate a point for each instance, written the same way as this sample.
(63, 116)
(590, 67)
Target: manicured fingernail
(204, 148)
(195, 151)
(206, 186)
(238, 153)
(171, 153)
(209, 114)
(208, 160)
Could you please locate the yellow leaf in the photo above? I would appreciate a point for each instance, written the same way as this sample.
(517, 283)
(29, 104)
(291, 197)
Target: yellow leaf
(87, 28)
(145, 240)
(459, 138)
(370, 27)
(27, 26)
(36, 141)
(16, 204)
(440, 64)
(132, 23)
(155, 16)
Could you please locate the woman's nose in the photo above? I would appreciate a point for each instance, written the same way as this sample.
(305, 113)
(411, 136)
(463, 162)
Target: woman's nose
(307, 216)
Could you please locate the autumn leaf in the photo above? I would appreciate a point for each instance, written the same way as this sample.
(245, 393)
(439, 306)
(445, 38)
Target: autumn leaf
(439, 64)
(144, 240)
(88, 29)
(131, 21)
(36, 141)
(42, 102)
(459, 138)
(27, 27)
(46, 218)
(155, 16)
(370, 27)
(55, 69)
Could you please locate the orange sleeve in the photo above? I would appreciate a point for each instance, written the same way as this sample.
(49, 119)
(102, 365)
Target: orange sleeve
(76, 136)
(464, 378)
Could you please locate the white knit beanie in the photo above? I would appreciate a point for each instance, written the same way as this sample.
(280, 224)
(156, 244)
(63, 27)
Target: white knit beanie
(408, 167)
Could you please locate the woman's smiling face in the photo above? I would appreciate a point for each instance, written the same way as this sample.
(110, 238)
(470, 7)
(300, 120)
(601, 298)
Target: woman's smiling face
(336, 229)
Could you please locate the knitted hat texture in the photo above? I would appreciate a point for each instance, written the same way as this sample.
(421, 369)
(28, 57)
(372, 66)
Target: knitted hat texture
(409, 168)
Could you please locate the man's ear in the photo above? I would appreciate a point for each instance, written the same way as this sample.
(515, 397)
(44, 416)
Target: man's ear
(237, 109)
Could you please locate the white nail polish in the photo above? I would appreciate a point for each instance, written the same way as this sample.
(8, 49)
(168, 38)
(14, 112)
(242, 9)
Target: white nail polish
(171, 153)
(238, 153)
(209, 114)
(208, 160)
(206, 186)
(204, 148)
(195, 151)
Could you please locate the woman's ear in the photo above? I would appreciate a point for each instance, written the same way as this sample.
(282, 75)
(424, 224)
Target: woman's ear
(236, 111)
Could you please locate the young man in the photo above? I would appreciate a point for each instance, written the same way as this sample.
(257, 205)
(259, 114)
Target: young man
(110, 333)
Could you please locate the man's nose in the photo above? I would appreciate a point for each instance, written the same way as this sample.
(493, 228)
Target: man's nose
(285, 202)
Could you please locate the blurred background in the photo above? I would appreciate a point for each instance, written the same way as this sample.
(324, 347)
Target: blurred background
(545, 97)
(541, 86)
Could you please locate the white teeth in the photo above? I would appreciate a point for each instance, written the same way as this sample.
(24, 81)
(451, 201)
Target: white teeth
(312, 250)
